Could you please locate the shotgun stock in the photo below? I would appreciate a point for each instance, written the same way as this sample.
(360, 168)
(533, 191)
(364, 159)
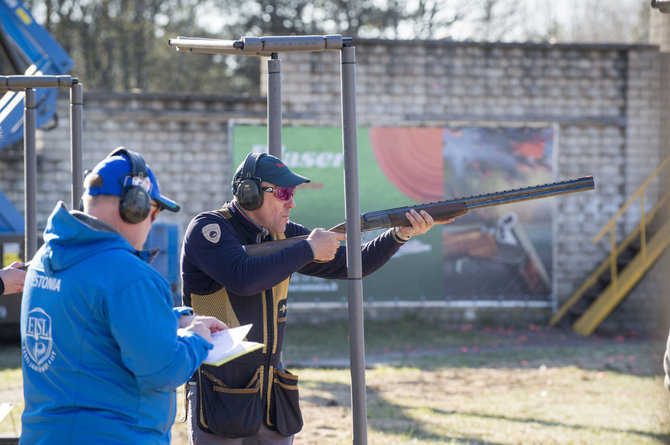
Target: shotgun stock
(440, 211)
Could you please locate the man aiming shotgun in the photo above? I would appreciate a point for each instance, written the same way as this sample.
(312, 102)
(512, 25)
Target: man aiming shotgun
(254, 395)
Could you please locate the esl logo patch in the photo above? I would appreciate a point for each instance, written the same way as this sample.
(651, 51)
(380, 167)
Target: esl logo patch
(38, 344)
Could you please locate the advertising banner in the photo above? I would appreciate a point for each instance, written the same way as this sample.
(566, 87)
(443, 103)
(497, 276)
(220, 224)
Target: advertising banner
(501, 252)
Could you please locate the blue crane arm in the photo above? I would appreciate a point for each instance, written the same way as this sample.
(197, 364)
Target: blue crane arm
(30, 50)
(39, 48)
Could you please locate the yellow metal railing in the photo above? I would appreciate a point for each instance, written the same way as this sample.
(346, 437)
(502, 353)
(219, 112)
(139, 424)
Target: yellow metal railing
(630, 275)
(611, 224)
(615, 250)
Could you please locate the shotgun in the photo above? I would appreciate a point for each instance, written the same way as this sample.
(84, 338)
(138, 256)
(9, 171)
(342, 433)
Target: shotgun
(440, 211)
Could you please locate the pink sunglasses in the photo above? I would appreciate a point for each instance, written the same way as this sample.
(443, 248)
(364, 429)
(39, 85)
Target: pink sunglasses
(283, 193)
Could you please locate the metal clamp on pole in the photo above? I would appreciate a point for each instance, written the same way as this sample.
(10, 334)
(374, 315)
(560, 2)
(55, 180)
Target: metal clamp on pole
(19, 82)
(261, 46)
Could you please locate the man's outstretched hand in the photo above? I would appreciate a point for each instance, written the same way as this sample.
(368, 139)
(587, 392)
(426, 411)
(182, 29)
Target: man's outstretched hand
(421, 223)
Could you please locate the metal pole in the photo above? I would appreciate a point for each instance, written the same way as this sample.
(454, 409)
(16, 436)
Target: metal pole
(354, 262)
(274, 106)
(30, 172)
(76, 137)
(274, 134)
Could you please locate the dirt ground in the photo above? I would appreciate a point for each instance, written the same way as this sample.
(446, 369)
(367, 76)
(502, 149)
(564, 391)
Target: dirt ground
(536, 386)
(543, 388)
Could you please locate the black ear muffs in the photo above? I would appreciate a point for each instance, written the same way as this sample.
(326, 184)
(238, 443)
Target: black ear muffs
(247, 186)
(135, 203)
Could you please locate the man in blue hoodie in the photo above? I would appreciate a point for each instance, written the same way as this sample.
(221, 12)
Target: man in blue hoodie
(103, 348)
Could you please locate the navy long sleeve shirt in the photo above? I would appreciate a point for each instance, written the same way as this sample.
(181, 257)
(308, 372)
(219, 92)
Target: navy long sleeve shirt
(213, 256)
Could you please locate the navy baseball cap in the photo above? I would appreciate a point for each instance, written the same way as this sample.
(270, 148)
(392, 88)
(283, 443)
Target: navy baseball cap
(271, 169)
(115, 171)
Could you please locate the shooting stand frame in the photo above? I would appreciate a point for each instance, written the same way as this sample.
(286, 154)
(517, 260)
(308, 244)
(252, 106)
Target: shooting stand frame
(270, 47)
(26, 85)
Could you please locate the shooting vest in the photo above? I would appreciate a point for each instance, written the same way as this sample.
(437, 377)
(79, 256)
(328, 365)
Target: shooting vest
(234, 398)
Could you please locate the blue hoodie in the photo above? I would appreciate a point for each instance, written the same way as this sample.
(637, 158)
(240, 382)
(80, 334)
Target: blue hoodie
(101, 354)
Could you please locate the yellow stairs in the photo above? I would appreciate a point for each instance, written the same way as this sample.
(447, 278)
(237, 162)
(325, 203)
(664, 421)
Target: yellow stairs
(626, 264)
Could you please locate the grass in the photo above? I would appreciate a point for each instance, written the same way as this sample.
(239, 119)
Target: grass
(431, 383)
(332, 339)
(10, 388)
(545, 405)
(435, 383)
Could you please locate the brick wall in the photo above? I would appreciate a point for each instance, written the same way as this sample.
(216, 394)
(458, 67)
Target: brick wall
(183, 138)
(606, 102)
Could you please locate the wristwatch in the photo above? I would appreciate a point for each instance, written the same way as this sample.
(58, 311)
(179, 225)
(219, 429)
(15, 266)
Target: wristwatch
(185, 310)
(399, 236)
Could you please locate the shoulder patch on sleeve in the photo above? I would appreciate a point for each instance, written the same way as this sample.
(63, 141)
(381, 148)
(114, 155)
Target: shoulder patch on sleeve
(212, 232)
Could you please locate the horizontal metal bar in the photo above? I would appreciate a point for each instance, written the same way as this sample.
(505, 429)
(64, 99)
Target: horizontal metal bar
(261, 46)
(19, 82)
(275, 44)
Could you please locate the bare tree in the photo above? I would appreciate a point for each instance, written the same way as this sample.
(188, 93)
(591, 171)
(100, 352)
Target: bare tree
(121, 45)
(583, 21)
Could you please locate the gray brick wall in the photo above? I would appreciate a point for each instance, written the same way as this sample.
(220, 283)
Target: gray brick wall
(604, 101)
(607, 103)
(184, 139)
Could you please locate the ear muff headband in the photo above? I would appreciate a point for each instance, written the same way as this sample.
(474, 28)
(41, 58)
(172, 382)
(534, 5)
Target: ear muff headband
(135, 202)
(247, 185)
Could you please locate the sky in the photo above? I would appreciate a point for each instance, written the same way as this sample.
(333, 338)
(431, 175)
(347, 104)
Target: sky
(576, 17)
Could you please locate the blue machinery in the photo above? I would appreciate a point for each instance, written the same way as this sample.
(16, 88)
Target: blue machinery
(28, 102)
(270, 47)
(28, 49)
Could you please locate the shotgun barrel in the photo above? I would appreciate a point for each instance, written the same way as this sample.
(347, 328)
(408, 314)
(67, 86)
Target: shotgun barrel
(440, 211)
(443, 210)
